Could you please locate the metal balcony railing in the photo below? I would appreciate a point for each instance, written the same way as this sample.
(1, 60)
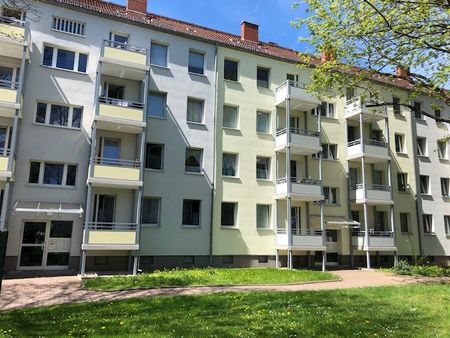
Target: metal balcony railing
(298, 131)
(291, 83)
(12, 21)
(373, 233)
(117, 162)
(111, 226)
(9, 84)
(301, 232)
(301, 180)
(370, 142)
(379, 187)
(120, 103)
(125, 46)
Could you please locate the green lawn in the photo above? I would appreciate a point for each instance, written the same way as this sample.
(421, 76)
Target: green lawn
(405, 311)
(210, 276)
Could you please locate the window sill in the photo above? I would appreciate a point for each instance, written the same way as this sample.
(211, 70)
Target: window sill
(263, 88)
(192, 227)
(232, 82)
(231, 177)
(231, 129)
(50, 186)
(269, 229)
(159, 67)
(225, 227)
(201, 124)
(264, 133)
(264, 180)
(64, 70)
(197, 74)
(423, 157)
(399, 116)
(62, 32)
(150, 226)
(194, 173)
(402, 154)
(329, 118)
(156, 117)
(154, 170)
(446, 160)
(430, 233)
(426, 195)
(55, 126)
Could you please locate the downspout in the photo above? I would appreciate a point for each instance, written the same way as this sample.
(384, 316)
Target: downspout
(214, 157)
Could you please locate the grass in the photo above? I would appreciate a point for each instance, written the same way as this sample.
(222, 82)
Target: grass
(402, 311)
(209, 276)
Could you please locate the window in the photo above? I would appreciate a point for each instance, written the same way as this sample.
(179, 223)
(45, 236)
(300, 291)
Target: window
(447, 224)
(195, 110)
(158, 55)
(154, 156)
(399, 143)
(402, 182)
(52, 174)
(380, 221)
(58, 115)
(445, 188)
(424, 185)
(330, 195)
(427, 223)
(263, 122)
(12, 13)
(404, 222)
(157, 104)
(68, 26)
(196, 63)
(329, 151)
(191, 212)
(262, 77)
(118, 40)
(229, 165)
(417, 110)
(64, 59)
(230, 70)
(262, 216)
(349, 93)
(442, 150)
(228, 214)
(292, 77)
(263, 168)
(113, 91)
(437, 112)
(422, 146)
(230, 117)
(396, 106)
(326, 109)
(193, 161)
(151, 210)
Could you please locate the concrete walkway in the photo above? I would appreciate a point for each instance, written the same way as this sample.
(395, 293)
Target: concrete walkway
(30, 292)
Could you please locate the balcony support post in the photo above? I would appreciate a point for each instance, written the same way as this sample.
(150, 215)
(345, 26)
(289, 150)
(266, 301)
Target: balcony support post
(83, 263)
(322, 227)
(361, 131)
(366, 234)
(277, 259)
(288, 180)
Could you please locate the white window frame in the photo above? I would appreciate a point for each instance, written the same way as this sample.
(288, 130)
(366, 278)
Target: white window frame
(269, 217)
(199, 214)
(55, 59)
(442, 152)
(330, 194)
(329, 152)
(48, 112)
(269, 167)
(64, 176)
(427, 187)
(430, 218)
(237, 116)
(153, 225)
(235, 216)
(447, 186)
(401, 137)
(422, 149)
(447, 225)
(159, 43)
(200, 172)
(327, 106)
(269, 127)
(197, 100)
(195, 51)
(72, 21)
(407, 214)
(236, 165)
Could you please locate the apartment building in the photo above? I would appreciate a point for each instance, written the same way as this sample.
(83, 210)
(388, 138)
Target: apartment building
(134, 140)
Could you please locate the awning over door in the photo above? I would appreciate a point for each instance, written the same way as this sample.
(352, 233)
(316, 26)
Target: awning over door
(48, 208)
(336, 222)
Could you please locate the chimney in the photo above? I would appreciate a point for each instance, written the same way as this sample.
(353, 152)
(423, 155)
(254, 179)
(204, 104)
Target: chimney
(402, 72)
(327, 55)
(249, 31)
(137, 6)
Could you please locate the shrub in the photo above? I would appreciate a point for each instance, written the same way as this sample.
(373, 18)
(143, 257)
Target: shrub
(404, 268)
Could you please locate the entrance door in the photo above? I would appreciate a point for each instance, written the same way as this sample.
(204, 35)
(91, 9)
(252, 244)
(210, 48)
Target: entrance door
(45, 245)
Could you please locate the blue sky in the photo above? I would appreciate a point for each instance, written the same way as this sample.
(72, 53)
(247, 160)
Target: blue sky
(272, 16)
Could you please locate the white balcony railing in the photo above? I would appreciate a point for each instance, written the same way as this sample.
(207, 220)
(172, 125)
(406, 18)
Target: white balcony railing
(375, 193)
(306, 239)
(302, 141)
(111, 236)
(378, 240)
(301, 189)
(298, 93)
(356, 106)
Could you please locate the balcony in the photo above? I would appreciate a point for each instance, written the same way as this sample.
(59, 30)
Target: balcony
(302, 189)
(4, 161)
(302, 239)
(303, 142)
(374, 151)
(298, 93)
(371, 194)
(113, 173)
(120, 115)
(378, 241)
(8, 98)
(371, 110)
(13, 36)
(124, 60)
(111, 236)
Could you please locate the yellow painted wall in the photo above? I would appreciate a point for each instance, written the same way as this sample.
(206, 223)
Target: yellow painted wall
(112, 237)
(8, 95)
(117, 112)
(118, 173)
(13, 32)
(125, 55)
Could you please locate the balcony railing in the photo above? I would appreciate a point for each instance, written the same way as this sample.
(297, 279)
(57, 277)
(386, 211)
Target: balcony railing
(378, 187)
(120, 103)
(374, 233)
(370, 142)
(9, 84)
(111, 236)
(291, 83)
(117, 162)
(12, 21)
(301, 232)
(357, 105)
(125, 46)
(298, 131)
(302, 180)
(107, 226)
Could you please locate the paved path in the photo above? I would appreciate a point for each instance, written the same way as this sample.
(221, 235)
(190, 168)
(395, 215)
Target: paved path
(29, 292)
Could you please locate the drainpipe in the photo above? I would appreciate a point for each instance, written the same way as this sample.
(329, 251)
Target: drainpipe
(211, 228)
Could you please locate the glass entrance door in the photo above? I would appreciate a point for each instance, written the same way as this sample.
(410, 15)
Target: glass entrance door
(45, 245)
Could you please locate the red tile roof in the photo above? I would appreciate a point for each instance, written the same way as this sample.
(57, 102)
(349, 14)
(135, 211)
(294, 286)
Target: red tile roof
(190, 30)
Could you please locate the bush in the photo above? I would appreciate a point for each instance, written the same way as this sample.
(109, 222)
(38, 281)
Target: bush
(404, 268)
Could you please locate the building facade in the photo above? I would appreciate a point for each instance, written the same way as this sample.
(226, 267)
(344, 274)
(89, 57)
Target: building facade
(132, 140)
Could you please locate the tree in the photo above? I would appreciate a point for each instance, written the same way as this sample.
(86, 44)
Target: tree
(366, 37)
